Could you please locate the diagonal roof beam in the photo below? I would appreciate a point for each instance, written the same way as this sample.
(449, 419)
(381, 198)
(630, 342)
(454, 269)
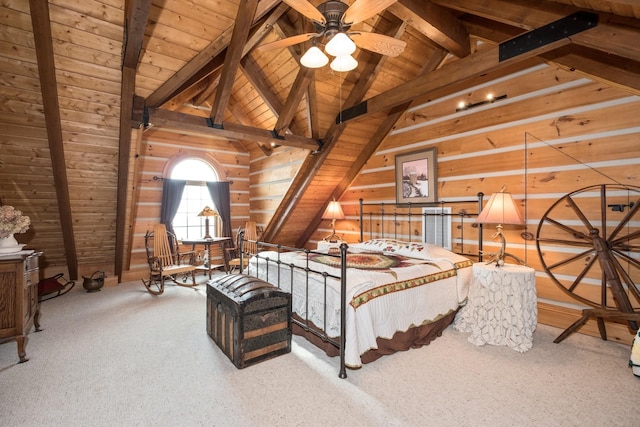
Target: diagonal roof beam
(614, 34)
(256, 77)
(297, 92)
(177, 82)
(246, 10)
(435, 22)
(467, 68)
(41, 24)
(379, 135)
(596, 65)
(313, 162)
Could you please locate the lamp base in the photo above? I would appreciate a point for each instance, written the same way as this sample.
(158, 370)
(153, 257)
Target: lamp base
(333, 238)
(498, 257)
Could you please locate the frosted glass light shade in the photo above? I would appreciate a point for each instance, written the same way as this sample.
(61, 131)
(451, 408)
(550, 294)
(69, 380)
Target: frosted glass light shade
(340, 45)
(314, 58)
(344, 63)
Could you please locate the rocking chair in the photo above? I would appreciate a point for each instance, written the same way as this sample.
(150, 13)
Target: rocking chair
(166, 261)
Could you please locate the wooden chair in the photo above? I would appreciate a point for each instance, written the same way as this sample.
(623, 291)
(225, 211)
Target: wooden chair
(166, 261)
(250, 235)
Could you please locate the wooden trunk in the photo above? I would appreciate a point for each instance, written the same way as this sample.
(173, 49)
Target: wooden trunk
(249, 319)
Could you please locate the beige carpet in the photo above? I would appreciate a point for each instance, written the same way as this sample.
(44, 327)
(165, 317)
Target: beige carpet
(122, 357)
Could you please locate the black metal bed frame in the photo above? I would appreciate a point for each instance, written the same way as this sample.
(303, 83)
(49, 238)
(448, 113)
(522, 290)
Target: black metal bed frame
(277, 263)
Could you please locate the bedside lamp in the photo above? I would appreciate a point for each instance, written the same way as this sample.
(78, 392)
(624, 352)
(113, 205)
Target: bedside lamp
(501, 209)
(333, 212)
(206, 213)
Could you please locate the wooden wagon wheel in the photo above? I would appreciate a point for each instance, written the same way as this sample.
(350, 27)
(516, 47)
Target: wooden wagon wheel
(589, 244)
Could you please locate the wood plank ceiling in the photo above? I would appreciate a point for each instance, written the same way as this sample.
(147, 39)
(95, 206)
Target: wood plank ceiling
(218, 70)
(198, 65)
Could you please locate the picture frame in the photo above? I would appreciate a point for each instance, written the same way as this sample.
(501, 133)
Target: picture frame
(417, 177)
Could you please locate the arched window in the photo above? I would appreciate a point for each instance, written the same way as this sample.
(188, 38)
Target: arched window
(187, 224)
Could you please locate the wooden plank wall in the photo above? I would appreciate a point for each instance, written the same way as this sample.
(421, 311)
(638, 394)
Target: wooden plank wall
(554, 133)
(157, 150)
(87, 43)
(270, 178)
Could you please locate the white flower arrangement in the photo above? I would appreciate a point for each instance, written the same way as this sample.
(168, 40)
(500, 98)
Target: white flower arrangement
(12, 221)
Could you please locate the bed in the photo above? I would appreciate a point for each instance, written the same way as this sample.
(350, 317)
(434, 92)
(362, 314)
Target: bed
(368, 299)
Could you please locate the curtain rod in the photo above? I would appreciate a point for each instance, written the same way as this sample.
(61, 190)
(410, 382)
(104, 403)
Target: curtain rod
(159, 178)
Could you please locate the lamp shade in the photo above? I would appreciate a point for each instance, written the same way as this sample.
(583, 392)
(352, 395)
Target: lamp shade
(501, 209)
(207, 211)
(314, 58)
(340, 45)
(333, 211)
(344, 63)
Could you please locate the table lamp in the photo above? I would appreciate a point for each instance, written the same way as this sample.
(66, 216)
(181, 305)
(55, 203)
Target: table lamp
(333, 212)
(206, 213)
(501, 209)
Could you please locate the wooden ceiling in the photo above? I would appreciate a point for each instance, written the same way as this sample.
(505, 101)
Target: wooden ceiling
(202, 59)
(197, 65)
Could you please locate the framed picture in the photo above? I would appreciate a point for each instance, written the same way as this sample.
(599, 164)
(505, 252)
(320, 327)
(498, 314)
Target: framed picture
(416, 177)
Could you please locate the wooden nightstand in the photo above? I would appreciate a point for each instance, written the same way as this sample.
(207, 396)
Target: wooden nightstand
(501, 307)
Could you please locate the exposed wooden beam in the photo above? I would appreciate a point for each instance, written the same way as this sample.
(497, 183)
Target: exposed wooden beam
(610, 69)
(41, 24)
(379, 135)
(256, 77)
(177, 82)
(297, 92)
(232, 131)
(136, 13)
(435, 22)
(479, 63)
(308, 170)
(614, 34)
(246, 10)
(607, 68)
(256, 37)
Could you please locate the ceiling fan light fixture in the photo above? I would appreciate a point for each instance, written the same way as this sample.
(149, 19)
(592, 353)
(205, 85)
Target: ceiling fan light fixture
(344, 63)
(340, 45)
(314, 58)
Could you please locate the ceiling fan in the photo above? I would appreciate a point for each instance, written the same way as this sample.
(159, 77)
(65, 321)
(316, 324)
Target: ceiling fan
(335, 18)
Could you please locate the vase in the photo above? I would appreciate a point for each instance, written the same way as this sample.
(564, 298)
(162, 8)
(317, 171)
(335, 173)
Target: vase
(10, 245)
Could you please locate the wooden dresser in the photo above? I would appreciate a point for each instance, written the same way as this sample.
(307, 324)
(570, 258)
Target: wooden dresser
(19, 306)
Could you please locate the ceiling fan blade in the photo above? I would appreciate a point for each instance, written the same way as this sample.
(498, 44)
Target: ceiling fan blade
(364, 9)
(307, 9)
(378, 43)
(289, 41)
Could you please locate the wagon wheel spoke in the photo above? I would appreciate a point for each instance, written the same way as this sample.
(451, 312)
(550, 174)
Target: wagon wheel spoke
(569, 260)
(610, 249)
(579, 213)
(575, 233)
(566, 242)
(582, 274)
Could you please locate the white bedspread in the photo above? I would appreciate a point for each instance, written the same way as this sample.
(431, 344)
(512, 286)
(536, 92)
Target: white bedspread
(379, 303)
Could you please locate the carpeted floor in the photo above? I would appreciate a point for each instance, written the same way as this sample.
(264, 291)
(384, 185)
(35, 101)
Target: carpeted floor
(122, 357)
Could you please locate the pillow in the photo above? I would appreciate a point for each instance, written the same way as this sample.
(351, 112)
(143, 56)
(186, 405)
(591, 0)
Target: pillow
(394, 247)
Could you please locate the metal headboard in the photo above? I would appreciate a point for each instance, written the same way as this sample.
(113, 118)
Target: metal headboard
(408, 216)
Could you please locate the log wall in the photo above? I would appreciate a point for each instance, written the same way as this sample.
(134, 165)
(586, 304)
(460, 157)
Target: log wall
(554, 133)
(156, 151)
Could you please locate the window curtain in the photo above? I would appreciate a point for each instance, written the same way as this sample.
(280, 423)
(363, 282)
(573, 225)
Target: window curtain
(220, 194)
(172, 190)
